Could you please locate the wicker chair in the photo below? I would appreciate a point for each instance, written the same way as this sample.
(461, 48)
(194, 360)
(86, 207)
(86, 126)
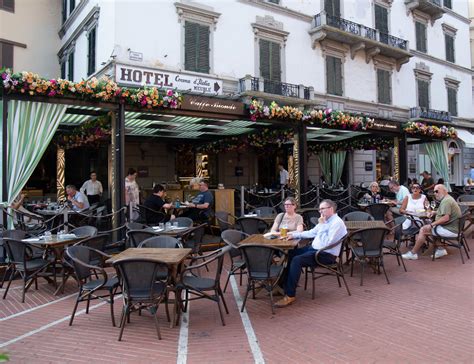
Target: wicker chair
(232, 238)
(251, 225)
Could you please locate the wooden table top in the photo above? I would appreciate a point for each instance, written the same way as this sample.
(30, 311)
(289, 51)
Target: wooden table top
(357, 225)
(170, 256)
(276, 243)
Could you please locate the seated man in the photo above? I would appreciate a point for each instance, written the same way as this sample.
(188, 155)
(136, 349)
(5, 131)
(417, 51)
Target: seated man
(201, 206)
(400, 191)
(448, 209)
(77, 199)
(156, 202)
(329, 230)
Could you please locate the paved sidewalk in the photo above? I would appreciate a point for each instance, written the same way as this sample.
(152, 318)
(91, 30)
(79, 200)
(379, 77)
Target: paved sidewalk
(423, 316)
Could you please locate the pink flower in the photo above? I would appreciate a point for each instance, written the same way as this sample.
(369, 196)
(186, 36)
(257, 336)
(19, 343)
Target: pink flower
(169, 93)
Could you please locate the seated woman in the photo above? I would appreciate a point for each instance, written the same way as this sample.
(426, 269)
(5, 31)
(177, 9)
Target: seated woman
(374, 193)
(289, 219)
(413, 204)
(28, 217)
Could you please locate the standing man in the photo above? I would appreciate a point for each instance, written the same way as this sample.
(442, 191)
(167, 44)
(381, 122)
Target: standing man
(92, 188)
(77, 199)
(448, 210)
(156, 202)
(329, 230)
(201, 205)
(427, 183)
(284, 176)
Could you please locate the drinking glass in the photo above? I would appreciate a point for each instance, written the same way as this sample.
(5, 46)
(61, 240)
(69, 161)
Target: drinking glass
(433, 204)
(168, 226)
(175, 225)
(47, 236)
(161, 225)
(258, 213)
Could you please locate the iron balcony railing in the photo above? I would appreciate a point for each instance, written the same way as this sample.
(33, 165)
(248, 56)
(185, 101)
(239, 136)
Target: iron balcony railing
(360, 30)
(422, 112)
(274, 87)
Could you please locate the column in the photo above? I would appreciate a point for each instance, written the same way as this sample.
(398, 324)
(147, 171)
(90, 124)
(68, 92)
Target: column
(117, 158)
(60, 174)
(3, 160)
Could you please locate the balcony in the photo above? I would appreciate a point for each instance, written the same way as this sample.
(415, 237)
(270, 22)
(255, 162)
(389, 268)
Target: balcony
(433, 8)
(424, 113)
(359, 37)
(249, 83)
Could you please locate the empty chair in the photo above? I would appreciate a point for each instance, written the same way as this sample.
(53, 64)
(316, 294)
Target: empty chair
(84, 231)
(222, 218)
(378, 210)
(140, 288)
(160, 242)
(358, 216)
(193, 239)
(135, 237)
(205, 287)
(393, 246)
(465, 198)
(261, 271)
(264, 211)
(307, 215)
(19, 261)
(98, 242)
(251, 225)
(80, 258)
(183, 221)
(369, 249)
(232, 238)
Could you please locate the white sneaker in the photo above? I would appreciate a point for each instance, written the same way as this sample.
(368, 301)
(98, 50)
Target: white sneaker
(440, 252)
(410, 256)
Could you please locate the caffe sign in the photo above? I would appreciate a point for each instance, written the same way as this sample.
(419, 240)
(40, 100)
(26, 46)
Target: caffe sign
(385, 125)
(139, 76)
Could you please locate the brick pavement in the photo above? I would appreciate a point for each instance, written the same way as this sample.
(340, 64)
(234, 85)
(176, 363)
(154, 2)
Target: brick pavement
(423, 316)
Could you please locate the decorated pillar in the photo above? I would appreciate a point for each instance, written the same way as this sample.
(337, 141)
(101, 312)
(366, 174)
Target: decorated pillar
(300, 152)
(117, 184)
(396, 159)
(3, 161)
(60, 174)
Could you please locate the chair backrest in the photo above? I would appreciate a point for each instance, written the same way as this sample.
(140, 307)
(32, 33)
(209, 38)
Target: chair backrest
(258, 259)
(14, 234)
(264, 211)
(16, 250)
(398, 228)
(222, 218)
(464, 209)
(251, 225)
(233, 237)
(357, 216)
(465, 198)
(372, 240)
(84, 231)
(135, 237)
(183, 221)
(135, 226)
(307, 215)
(193, 238)
(160, 242)
(139, 277)
(151, 216)
(98, 242)
(79, 256)
(378, 210)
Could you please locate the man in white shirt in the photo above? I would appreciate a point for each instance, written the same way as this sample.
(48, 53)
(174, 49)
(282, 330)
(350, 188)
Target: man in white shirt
(329, 230)
(284, 176)
(92, 188)
(77, 199)
(400, 191)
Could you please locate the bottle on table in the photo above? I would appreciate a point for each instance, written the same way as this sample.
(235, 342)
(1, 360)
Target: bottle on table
(177, 203)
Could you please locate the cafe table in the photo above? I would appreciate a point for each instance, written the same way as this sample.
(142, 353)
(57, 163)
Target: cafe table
(172, 257)
(169, 231)
(65, 211)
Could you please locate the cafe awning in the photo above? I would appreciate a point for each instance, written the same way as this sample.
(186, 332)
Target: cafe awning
(467, 137)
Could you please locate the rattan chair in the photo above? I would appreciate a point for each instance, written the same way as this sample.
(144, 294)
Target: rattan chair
(183, 221)
(251, 225)
(378, 210)
(264, 211)
(393, 246)
(84, 231)
(458, 241)
(357, 216)
(160, 242)
(135, 237)
(237, 264)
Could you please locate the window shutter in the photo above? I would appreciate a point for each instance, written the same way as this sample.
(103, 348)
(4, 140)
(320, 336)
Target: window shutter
(8, 4)
(333, 76)
(420, 36)
(72, 5)
(6, 55)
(423, 94)
(203, 49)
(63, 70)
(70, 67)
(383, 86)
(381, 19)
(190, 45)
(64, 13)
(447, 4)
(452, 101)
(264, 58)
(338, 76)
(449, 45)
(91, 52)
(275, 62)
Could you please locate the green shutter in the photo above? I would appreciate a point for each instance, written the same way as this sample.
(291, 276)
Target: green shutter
(452, 101)
(333, 7)
(338, 75)
(196, 47)
(449, 45)
(264, 58)
(203, 49)
(275, 62)
(63, 70)
(423, 94)
(383, 86)
(420, 29)
(333, 76)
(447, 4)
(72, 5)
(64, 12)
(91, 52)
(381, 19)
(70, 64)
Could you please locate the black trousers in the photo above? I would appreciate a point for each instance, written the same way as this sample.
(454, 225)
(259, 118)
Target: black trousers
(93, 199)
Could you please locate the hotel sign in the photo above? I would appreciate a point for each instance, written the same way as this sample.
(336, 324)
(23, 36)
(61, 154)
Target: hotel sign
(139, 76)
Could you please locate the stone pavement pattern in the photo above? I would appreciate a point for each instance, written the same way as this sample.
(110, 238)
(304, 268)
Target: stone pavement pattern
(423, 316)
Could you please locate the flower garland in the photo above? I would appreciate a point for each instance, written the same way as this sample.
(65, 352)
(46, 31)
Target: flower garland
(326, 118)
(419, 128)
(90, 132)
(263, 142)
(103, 89)
(350, 145)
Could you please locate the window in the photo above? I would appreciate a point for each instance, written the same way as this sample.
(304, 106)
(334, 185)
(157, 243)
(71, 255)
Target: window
(196, 47)
(384, 87)
(270, 61)
(6, 55)
(452, 101)
(448, 4)
(64, 12)
(381, 22)
(8, 5)
(333, 8)
(334, 75)
(274, 1)
(420, 31)
(70, 66)
(449, 45)
(63, 70)
(91, 39)
(72, 5)
(423, 93)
